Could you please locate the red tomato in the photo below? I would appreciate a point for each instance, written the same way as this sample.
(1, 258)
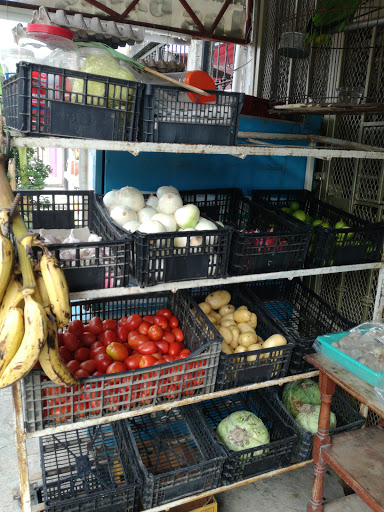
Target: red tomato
(158, 355)
(178, 334)
(87, 338)
(143, 327)
(174, 349)
(98, 350)
(135, 342)
(161, 321)
(65, 354)
(109, 325)
(107, 337)
(147, 348)
(133, 322)
(131, 334)
(73, 365)
(96, 344)
(168, 336)
(117, 351)
(95, 325)
(155, 333)
(162, 345)
(97, 372)
(122, 334)
(82, 354)
(60, 339)
(148, 318)
(123, 322)
(70, 341)
(82, 373)
(103, 361)
(160, 361)
(89, 366)
(168, 358)
(164, 312)
(184, 353)
(116, 367)
(132, 362)
(76, 327)
(173, 322)
(146, 361)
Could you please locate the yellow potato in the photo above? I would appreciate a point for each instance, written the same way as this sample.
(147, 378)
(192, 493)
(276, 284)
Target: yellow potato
(228, 316)
(234, 343)
(255, 346)
(245, 327)
(235, 334)
(218, 299)
(253, 321)
(242, 315)
(242, 307)
(227, 323)
(216, 315)
(259, 339)
(226, 334)
(226, 348)
(212, 318)
(275, 340)
(247, 339)
(226, 309)
(240, 349)
(206, 308)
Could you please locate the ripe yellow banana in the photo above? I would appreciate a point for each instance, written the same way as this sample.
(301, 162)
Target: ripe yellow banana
(41, 291)
(50, 359)
(6, 262)
(12, 298)
(11, 335)
(35, 336)
(57, 289)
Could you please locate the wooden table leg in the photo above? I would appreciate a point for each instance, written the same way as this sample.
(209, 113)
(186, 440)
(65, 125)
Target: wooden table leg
(322, 438)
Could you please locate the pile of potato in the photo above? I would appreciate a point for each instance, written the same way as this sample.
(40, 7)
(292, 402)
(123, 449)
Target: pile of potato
(237, 326)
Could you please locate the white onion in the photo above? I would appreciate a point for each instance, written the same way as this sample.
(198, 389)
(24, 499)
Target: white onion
(195, 241)
(131, 197)
(167, 220)
(145, 213)
(153, 202)
(123, 215)
(152, 226)
(132, 226)
(169, 203)
(111, 199)
(166, 189)
(205, 224)
(187, 216)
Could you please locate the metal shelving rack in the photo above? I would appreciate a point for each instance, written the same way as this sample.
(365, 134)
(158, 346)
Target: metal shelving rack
(315, 147)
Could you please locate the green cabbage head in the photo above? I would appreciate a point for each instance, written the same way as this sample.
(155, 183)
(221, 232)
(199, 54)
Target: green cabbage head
(241, 430)
(300, 392)
(308, 418)
(105, 65)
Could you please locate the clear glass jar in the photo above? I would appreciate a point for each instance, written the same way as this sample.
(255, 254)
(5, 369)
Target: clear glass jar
(51, 46)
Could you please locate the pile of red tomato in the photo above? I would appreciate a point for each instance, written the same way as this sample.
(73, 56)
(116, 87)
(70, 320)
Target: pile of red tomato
(104, 347)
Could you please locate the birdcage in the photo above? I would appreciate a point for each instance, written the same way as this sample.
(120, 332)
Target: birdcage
(325, 52)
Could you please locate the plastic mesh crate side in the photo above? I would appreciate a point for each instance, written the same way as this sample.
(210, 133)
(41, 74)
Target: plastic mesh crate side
(176, 455)
(133, 389)
(252, 461)
(84, 470)
(346, 417)
(170, 116)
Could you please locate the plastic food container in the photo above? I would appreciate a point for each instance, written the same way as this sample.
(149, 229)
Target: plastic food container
(9, 57)
(51, 45)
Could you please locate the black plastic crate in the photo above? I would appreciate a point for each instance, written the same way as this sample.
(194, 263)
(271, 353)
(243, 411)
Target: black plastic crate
(169, 115)
(46, 403)
(252, 251)
(362, 243)
(87, 470)
(154, 258)
(252, 461)
(38, 100)
(235, 369)
(176, 455)
(298, 312)
(87, 265)
(346, 419)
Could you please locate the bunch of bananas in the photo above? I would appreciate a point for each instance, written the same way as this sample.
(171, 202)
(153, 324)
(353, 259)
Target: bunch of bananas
(34, 301)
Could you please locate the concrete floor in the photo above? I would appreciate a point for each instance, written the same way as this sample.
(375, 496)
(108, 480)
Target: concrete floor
(287, 492)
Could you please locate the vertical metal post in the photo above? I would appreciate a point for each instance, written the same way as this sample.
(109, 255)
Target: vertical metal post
(21, 450)
(378, 310)
(309, 169)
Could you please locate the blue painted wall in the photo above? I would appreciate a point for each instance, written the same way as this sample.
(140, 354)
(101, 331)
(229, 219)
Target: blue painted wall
(148, 171)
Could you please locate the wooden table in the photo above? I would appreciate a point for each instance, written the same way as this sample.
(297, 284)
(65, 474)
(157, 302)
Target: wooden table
(357, 456)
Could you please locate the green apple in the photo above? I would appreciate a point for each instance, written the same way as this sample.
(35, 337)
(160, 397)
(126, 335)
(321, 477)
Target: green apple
(294, 206)
(340, 224)
(317, 222)
(308, 219)
(286, 209)
(299, 214)
(325, 225)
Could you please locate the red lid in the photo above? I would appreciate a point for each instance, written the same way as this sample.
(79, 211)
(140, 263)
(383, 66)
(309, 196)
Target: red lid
(50, 29)
(202, 80)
